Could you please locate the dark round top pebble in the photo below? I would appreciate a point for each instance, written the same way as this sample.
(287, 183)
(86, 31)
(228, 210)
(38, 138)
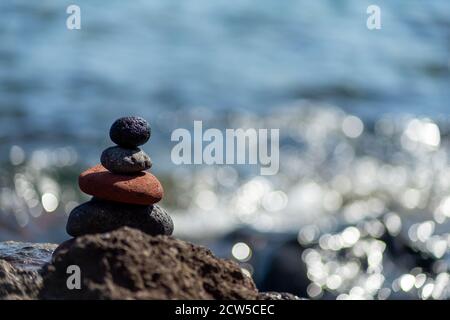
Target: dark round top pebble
(130, 132)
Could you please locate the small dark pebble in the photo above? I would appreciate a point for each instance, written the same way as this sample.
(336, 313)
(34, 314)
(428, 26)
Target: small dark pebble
(278, 296)
(123, 160)
(99, 216)
(130, 132)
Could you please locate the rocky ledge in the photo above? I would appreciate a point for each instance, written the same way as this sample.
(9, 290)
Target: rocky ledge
(20, 268)
(122, 264)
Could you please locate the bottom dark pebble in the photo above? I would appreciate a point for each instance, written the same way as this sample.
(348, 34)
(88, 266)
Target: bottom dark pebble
(99, 216)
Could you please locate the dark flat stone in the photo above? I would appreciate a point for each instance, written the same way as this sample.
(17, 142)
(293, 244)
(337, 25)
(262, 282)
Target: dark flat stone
(99, 216)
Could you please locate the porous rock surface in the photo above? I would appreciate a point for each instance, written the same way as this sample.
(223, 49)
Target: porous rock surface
(123, 264)
(129, 264)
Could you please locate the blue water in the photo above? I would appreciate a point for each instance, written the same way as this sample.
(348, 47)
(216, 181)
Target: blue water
(155, 58)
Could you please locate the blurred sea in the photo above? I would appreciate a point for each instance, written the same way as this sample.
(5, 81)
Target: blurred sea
(363, 118)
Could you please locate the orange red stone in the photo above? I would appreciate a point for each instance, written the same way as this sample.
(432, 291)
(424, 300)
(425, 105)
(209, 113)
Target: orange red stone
(140, 188)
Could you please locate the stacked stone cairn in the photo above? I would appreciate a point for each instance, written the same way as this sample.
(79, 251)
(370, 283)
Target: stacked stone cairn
(124, 194)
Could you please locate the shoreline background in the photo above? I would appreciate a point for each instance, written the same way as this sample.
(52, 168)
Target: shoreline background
(363, 117)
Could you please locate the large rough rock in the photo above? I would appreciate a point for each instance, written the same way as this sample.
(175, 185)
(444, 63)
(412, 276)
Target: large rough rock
(20, 265)
(16, 284)
(123, 264)
(129, 264)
